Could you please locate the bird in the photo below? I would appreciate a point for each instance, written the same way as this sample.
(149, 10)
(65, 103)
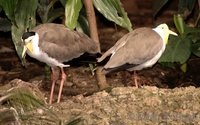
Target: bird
(138, 49)
(56, 45)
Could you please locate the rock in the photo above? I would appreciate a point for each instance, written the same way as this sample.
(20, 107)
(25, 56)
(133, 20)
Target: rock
(121, 106)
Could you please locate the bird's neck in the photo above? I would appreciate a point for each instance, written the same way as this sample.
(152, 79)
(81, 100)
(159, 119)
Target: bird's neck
(161, 33)
(35, 43)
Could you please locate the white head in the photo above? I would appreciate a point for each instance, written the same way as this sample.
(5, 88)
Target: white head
(164, 31)
(28, 40)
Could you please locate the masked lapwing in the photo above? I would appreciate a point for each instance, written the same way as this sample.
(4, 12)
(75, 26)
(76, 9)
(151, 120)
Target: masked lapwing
(55, 45)
(141, 48)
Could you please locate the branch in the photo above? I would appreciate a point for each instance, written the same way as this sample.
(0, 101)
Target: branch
(94, 35)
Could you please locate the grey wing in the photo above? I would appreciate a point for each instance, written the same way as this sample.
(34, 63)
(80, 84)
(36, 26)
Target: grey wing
(64, 44)
(119, 44)
(140, 46)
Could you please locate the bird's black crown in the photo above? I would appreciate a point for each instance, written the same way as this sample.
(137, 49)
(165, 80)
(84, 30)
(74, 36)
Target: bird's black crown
(27, 34)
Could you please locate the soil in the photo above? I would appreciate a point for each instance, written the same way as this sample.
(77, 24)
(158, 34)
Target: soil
(166, 95)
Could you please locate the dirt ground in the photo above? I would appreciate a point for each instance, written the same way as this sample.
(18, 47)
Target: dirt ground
(166, 96)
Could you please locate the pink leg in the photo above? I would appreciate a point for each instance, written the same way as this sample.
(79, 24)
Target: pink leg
(135, 79)
(61, 84)
(54, 79)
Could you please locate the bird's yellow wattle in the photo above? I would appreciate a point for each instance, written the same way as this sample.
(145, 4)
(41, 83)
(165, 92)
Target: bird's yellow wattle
(30, 47)
(167, 33)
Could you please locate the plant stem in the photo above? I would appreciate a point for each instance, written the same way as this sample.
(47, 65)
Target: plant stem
(92, 22)
(94, 35)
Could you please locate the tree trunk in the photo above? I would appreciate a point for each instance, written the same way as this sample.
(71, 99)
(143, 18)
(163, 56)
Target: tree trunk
(94, 35)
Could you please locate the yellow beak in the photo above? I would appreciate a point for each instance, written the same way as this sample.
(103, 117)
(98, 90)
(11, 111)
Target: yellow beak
(24, 51)
(173, 33)
(29, 47)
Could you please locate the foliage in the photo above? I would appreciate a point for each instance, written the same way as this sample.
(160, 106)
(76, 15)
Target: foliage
(22, 17)
(72, 17)
(9, 8)
(23, 103)
(113, 11)
(110, 9)
(157, 6)
(46, 11)
(179, 48)
(185, 7)
(22, 14)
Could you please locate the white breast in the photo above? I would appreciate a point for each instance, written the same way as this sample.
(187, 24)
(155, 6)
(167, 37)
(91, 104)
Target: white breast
(43, 57)
(149, 63)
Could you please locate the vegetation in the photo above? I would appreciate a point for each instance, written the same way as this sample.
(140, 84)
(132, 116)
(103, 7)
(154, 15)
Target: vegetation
(180, 48)
(25, 19)
(22, 15)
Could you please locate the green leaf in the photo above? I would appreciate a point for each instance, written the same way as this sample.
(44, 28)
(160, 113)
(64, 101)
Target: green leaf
(192, 33)
(83, 25)
(55, 13)
(184, 67)
(157, 5)
(196, 48)
(72, 9)
(186, 6)
(42, 10)
(45, 11)
(9, 7)
(25, 18)
(63, 2)
(167, 64)
(113, 11)
(179, 23)
(177, 50)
